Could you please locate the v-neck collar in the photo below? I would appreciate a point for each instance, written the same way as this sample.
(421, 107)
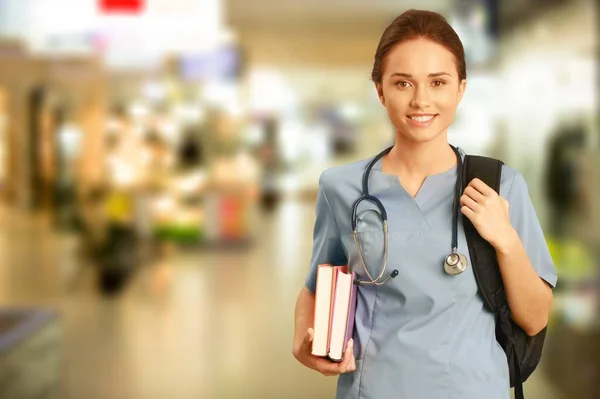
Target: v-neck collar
(425, 192)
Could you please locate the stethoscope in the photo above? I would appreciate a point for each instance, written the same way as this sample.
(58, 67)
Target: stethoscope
(454, 263)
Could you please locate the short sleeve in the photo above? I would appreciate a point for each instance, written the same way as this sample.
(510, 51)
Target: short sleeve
(526, 223)
(327, 245)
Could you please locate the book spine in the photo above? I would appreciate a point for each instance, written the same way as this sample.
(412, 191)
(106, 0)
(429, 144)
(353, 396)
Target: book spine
(351, 312)
(314, 324)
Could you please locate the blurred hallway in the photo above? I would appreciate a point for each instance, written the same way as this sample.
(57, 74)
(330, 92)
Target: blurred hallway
(183, 121)
(194, 324)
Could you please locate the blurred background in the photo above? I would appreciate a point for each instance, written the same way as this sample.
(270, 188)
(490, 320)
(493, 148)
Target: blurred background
(159, 163)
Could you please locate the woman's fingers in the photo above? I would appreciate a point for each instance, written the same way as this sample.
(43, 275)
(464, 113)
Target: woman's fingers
(353, 364)
(474, 194)
(483, 188)
(306, 345)
(469, 202)
(329, 368)
(321, 364)
(348, 357)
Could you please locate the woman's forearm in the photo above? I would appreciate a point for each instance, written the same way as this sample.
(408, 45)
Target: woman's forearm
(304, 315)
(529, 297)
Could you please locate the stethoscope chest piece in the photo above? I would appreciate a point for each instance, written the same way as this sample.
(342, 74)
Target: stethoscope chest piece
(455, 263)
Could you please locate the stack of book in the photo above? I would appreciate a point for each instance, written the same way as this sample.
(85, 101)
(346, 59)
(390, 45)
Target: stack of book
(335, 303)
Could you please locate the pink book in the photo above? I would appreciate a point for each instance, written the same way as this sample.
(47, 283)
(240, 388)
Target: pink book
(322, 311)
(336, 269)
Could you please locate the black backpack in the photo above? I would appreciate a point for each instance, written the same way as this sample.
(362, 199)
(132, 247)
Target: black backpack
(523, 352)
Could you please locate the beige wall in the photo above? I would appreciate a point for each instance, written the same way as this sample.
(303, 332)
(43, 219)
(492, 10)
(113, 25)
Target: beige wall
(81, 82)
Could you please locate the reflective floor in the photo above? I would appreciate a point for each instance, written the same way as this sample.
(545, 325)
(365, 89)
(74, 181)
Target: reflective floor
(192, 324)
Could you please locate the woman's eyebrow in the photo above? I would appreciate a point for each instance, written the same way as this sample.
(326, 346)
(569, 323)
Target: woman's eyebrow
(408, 75)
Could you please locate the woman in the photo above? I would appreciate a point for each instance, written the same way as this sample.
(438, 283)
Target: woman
(424, 334)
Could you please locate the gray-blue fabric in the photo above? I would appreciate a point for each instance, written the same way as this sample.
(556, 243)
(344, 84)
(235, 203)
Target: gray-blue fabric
(424, 334)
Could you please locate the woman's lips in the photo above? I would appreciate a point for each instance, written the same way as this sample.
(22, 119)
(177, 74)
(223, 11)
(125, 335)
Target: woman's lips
(421, 120)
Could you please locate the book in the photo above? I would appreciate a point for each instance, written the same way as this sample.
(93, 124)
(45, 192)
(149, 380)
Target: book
(335, 304)
(322, 310)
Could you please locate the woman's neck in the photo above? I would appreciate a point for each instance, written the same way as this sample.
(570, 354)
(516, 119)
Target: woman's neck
(414, 159)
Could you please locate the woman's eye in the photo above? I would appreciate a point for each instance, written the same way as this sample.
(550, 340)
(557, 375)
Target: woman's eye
(403, 84)
(438, 83)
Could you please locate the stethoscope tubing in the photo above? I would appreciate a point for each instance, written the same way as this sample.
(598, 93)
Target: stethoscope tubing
(450, 269)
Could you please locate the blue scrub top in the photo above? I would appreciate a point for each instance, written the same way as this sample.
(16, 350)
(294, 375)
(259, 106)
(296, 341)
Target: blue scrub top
(424, 334)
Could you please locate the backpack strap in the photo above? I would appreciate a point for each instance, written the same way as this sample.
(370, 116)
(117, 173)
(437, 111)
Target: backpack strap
(483, 255)
(484, 260)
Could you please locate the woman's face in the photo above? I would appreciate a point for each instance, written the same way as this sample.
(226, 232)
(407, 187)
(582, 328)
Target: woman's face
(420, 89)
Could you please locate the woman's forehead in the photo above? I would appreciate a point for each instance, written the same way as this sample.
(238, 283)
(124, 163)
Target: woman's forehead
(419, 57)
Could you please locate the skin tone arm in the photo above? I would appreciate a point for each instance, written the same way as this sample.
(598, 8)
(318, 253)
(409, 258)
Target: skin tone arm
(529, 297)
(303, 336)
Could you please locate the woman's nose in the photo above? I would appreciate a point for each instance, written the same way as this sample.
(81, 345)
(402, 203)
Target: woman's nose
(421, 98)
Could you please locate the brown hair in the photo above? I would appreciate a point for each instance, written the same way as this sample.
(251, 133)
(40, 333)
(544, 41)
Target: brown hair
(413, 24)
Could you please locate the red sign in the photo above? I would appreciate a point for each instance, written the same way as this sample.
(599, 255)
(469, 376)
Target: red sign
(121, 6)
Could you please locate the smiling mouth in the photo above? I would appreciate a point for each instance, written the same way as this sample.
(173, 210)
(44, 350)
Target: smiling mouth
(421, 119)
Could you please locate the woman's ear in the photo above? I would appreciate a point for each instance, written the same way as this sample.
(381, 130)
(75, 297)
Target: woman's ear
(379, 89)
(462, 86)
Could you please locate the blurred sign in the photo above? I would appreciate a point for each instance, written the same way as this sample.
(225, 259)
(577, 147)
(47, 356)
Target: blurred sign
(125, 33)
(223, 63)
(121, 6)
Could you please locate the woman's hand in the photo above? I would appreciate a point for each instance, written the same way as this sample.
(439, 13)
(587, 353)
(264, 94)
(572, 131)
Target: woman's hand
(489, 213)
(324, 366)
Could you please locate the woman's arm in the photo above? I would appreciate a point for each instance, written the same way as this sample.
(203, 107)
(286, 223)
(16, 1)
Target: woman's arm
(529, 297)
(303, 316)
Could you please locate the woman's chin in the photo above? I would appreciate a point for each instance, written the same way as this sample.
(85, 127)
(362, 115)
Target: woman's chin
(421, 136)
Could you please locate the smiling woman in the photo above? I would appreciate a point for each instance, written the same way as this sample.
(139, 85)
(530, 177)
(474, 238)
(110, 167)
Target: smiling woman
(423, 331)
(420, 76)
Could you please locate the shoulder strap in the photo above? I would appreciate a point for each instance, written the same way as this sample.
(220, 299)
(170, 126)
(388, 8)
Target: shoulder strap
(483, 255)
(485, 265)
